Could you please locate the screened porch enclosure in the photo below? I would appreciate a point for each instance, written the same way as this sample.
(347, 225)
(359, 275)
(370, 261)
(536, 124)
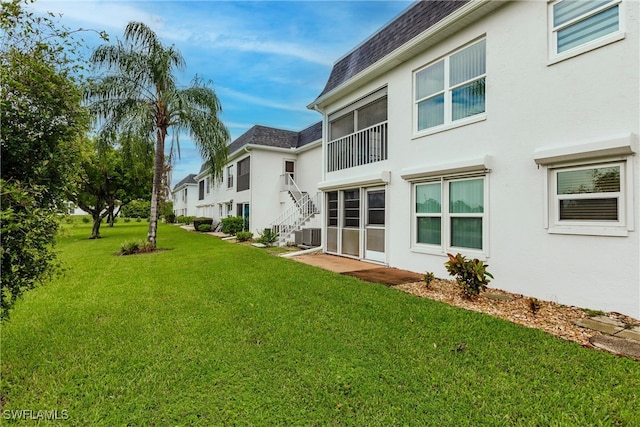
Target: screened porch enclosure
(358, 135)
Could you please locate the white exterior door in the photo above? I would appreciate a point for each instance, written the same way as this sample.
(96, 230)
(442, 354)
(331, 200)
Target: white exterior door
(374, 221)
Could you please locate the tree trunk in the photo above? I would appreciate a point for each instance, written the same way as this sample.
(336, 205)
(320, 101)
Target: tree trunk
(110, 216)
(157, 186)
(95, 230)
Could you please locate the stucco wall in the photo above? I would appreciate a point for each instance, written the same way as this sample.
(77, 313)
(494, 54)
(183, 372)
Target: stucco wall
(530, 105)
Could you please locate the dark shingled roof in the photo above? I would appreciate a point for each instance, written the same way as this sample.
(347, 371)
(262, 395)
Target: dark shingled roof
(416, 19)
(310, 134)
(279, 138)
(189, 179)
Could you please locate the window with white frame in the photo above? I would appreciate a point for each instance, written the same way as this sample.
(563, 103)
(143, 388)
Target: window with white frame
(588, 196)
(229, 176)
(451, 89)
(449, 214)
(244, 169)
(580, 25)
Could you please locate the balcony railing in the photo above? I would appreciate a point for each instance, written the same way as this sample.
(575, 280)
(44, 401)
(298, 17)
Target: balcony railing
(359, 148)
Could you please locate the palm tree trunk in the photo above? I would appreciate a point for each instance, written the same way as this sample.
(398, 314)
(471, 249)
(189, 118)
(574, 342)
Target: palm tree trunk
(157, 186)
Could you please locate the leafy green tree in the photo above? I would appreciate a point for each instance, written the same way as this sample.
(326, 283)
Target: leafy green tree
(139, 94)
(109, 180)
(42, 121)
(137, 209)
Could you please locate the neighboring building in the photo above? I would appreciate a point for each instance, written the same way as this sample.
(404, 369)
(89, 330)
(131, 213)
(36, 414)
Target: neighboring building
(270, 179)
(184, 196)
(502, 130)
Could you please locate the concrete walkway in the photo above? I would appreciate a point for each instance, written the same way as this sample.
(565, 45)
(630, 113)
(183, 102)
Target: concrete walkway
(617, 337)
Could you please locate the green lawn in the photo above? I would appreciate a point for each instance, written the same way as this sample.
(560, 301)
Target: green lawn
(214, 333)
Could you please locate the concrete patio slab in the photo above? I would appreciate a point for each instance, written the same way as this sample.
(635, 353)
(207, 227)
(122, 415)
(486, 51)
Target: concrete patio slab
(334, 263)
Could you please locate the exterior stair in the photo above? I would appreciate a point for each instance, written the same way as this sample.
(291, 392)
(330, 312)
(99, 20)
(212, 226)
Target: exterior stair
(296, 216)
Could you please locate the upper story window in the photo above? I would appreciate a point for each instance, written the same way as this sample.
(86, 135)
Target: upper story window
(201, 185)
(230, 177)
(358, 133)
(580, 25)
(244, 167)
(451, 89)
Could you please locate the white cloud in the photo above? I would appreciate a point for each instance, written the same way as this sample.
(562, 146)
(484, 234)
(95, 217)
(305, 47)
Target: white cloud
(255, 100)
(259, 44)
(101, 15)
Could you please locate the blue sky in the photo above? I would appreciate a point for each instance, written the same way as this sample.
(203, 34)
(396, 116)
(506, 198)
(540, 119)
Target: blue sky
(267, 59)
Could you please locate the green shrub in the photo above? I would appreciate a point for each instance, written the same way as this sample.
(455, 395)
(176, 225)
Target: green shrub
(137, 208)
(232, 224)
(138, 219)
(201, 220)
(135, 247)
(268, 237)
(68, 219)
(28, 232)
(129, 248)
(127, 220)
(205, 228)
(471, 275)
(85, 219)
(243, 236)
(170, 218)
(182, 219)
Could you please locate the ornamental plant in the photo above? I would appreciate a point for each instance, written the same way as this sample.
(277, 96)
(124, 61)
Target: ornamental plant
(232, 224)
(268, 237)
(471, 275)
(243, 236)
(428, 278)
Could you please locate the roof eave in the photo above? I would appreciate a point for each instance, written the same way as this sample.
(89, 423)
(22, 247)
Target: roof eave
(472, 11)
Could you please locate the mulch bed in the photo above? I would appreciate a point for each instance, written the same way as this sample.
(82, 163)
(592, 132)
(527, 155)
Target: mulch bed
(553, 318)
(556, 319)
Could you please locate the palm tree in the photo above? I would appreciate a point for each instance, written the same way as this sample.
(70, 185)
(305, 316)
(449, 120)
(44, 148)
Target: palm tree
(138, 95)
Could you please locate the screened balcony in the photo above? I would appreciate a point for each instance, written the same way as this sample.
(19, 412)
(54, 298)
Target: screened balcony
(358, 148)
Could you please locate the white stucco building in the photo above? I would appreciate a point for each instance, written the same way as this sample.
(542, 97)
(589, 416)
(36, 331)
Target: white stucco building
(184, 196)
(502, 130)
(271, 179)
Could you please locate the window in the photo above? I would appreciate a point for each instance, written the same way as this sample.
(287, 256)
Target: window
(375, 207)
(588, 196)
(451, 89)
(351, 208)
(201, 185)
(244, 167)
(332, 209)
(230, 177)
(583, 23)
(450, 213)
(207, 185)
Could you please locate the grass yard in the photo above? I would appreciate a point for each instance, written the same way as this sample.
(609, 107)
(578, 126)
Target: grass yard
(213, 333)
